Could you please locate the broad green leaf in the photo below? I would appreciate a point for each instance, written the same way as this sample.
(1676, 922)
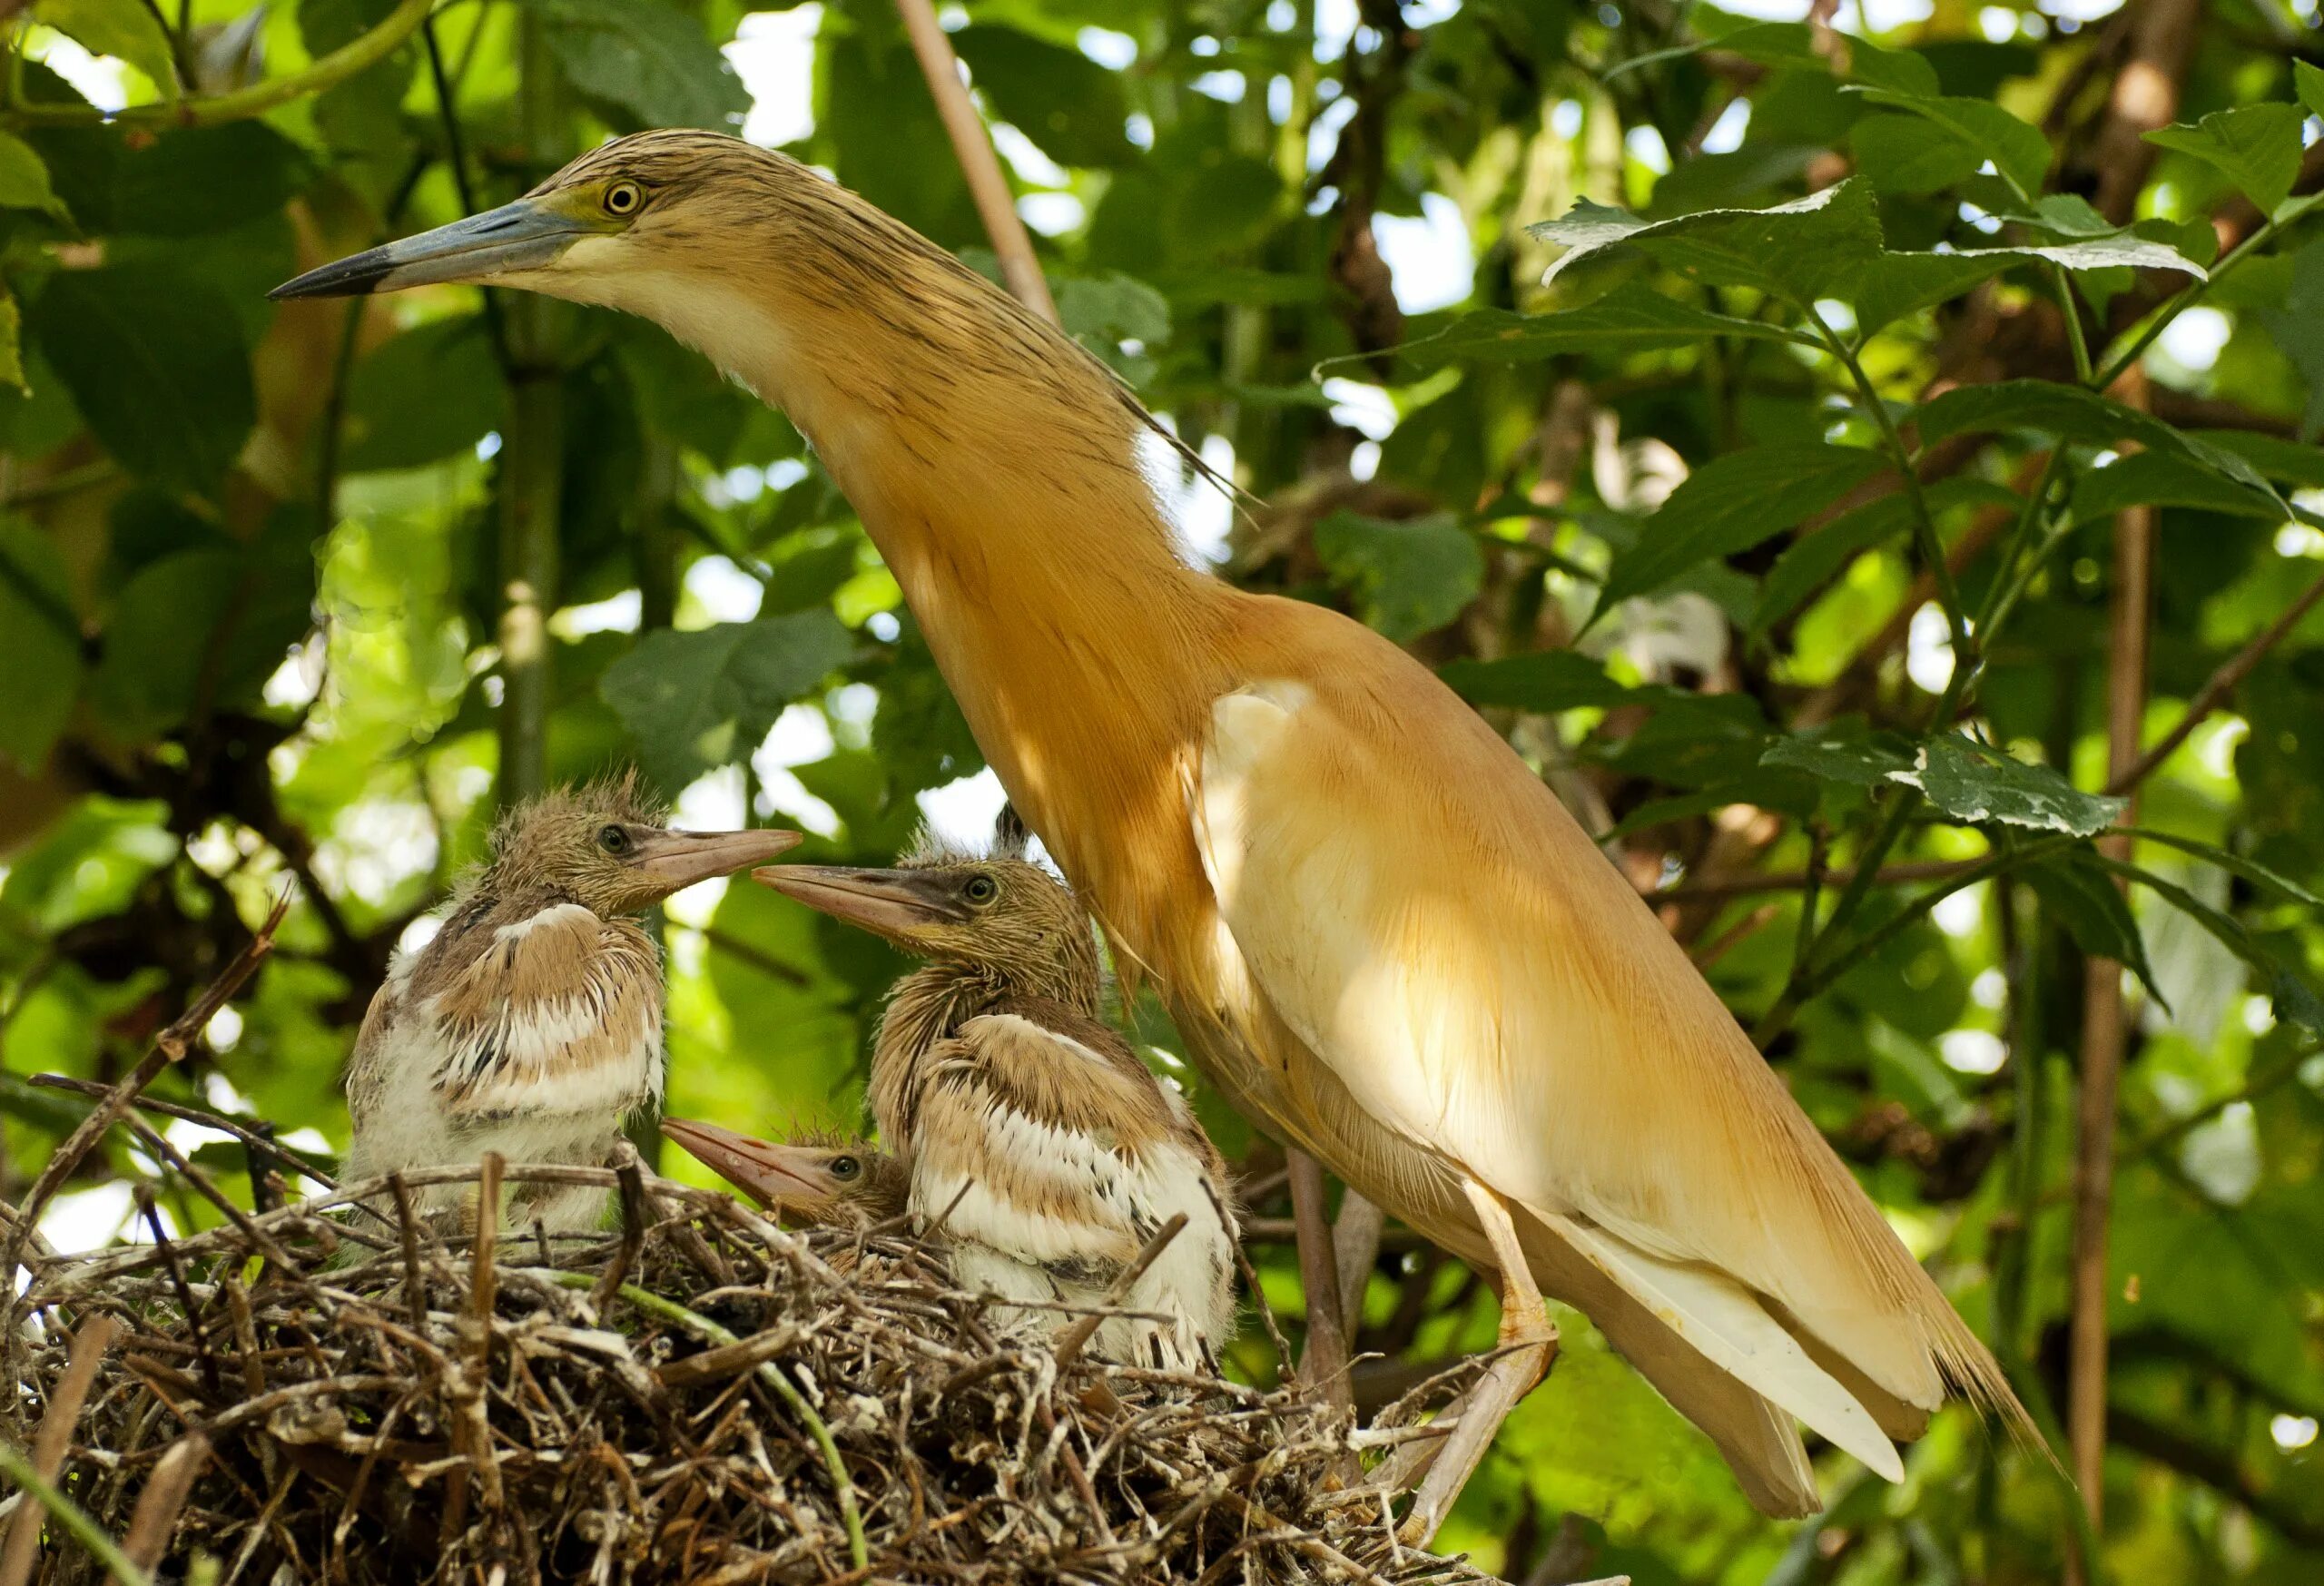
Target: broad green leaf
(1802, 251)
(23, 178)
(1896, 155)
(2296, 1001)
(1843, 752)
(2072, 413)
(2256, 146)
(1632, 316)
(427, 394)
(1731, 504)
(2017, 149)
(1544, 682)
(1793, 43)
(706, 698)
(2163, 479)
(1410, 577)
(155, 363)
(2258, 875)
(1972, 782)
(2310, 84)
(1811, 561)
(2091, 907)
(1072, 107)
(2296, 328)
(646, 58)
(123, 29)
(193, 181)
(43, 644)
(203, 627)
(2286, 461)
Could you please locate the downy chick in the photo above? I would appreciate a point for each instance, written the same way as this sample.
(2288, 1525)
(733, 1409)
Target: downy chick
(1032, 1134)
(531, 1023)
(812, 1182)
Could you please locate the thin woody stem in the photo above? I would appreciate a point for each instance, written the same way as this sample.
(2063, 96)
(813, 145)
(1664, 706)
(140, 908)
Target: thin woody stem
(973, 146)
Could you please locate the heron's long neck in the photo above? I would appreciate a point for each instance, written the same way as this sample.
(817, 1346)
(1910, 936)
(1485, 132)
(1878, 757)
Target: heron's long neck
(997, 469)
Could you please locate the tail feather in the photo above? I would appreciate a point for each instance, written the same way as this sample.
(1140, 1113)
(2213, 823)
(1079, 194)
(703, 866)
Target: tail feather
(1726, 1323)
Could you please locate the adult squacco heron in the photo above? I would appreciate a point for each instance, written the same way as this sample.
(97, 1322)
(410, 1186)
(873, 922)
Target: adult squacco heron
(1379, 934)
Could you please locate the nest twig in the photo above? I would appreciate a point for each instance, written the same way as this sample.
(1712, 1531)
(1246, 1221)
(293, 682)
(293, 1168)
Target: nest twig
(358, 1396)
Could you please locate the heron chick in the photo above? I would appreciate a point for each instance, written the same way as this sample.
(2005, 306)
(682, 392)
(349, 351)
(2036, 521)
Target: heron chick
(530, 1024)
(1035, 1139)
(814, 1181)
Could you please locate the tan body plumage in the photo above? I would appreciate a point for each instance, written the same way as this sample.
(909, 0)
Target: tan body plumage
(1034, 1141)
(1380, 933)
(530, 1024)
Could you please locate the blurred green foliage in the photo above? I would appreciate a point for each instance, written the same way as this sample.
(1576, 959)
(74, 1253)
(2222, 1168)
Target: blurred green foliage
(250, 584)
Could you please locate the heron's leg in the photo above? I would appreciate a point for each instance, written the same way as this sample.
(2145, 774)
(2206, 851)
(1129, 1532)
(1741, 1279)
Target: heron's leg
(1532, 1340)
(1323, 1365)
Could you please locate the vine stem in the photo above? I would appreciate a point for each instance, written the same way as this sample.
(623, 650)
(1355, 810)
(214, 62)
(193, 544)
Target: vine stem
(2186, 297)
(858, 1550)
(358, 55)
(1925, 536)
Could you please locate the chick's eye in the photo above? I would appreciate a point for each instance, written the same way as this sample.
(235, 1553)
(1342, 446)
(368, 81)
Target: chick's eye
(623, 198)
(982, 888)
(614, 840)
(845, 1167)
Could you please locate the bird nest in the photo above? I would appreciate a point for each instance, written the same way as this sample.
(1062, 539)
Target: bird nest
(317, 1392)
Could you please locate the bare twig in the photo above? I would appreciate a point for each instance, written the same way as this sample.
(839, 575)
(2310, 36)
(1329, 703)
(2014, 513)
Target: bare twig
(164, 1500)
(170, 1045)
(988, 184)
(2215, 690)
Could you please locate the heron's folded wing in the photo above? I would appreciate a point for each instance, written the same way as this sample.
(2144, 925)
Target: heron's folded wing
(1459, 1006)
(560, 1011)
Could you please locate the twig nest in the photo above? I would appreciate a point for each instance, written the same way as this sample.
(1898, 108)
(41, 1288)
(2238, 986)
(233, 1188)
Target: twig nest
(701, 1398)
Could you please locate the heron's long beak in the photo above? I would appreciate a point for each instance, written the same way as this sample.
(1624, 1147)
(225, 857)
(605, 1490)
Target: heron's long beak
(764, 1171)
(888, 900)
(523, 235)
(670, 861)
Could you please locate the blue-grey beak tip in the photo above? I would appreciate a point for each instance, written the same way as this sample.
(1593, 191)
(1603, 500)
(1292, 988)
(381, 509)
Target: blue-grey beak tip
(358, 275)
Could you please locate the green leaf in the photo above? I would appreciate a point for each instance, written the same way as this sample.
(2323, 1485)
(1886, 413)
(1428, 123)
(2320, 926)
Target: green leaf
(1793, 43)
(2017, 149)
(2258, 875)
(1632, 316)
(429, 394)
(1843, 752)
(1896, 155)
(1731, 504)
(203, 626)
(1897, 284)
(2072, 413)
(1974, 784)
(1410, 577)
(2257, 146)
(2084, 898)
(2162, 478)
(647, 58)
(1812, 560)
(2310, 81)
(1073, 108)
(2296, 1001)
(43, 642)
(154, 361)
(701, 699)
(120, 28)
(193, 181)
(1810, 248)
(24, 179)
(1544, 682)
(2297, 328)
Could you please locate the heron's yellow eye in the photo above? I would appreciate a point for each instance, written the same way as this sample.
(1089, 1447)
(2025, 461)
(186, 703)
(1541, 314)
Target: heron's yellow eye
(982, 888)
(623, 198)
(614, 841)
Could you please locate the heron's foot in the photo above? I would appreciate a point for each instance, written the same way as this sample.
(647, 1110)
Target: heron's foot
(1450, 1461)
